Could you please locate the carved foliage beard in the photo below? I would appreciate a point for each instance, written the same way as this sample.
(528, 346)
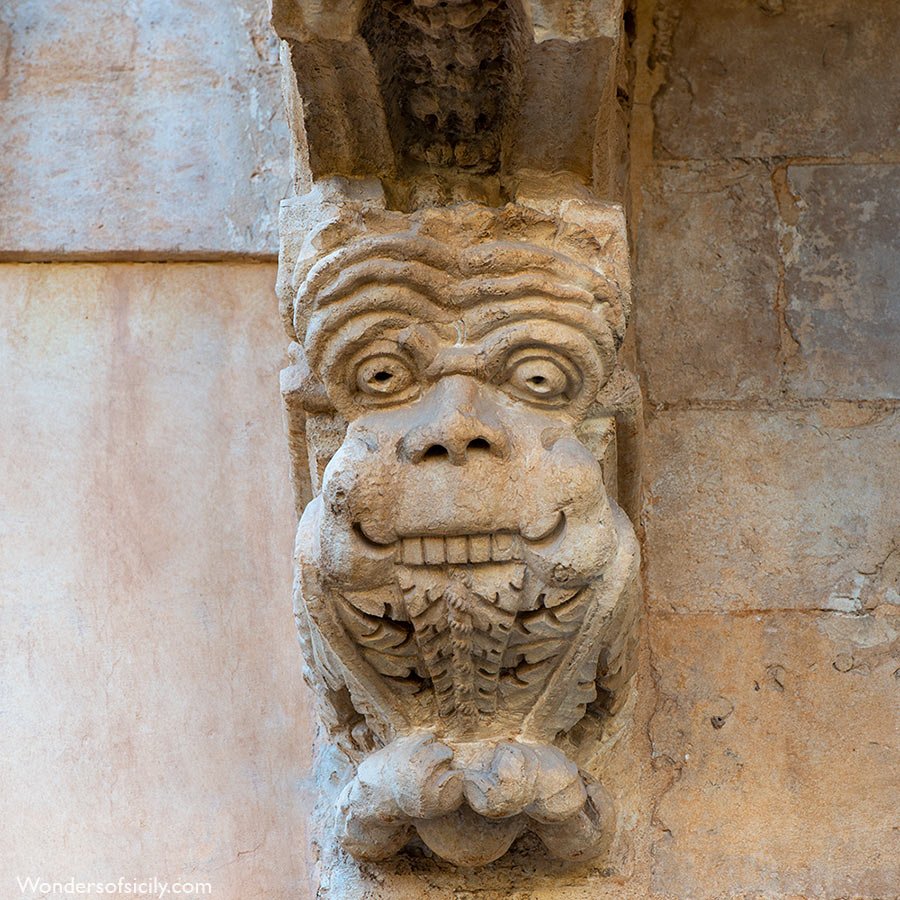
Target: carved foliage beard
(480, 639)
(484, 644)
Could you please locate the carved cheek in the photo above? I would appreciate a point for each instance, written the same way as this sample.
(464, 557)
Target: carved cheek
(354, 484)
(573, 482)
(568, 462)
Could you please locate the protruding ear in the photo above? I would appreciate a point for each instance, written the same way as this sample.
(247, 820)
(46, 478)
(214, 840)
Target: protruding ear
(598, 434)
(620, 398)
(303, 385)
(303, 394)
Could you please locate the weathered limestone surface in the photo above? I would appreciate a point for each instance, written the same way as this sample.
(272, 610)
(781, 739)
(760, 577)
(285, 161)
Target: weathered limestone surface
(777, 78)
(751, 510)
(455, 279)
(780, 735)
(147, 129)
(766, 313)
(706, 283)
(841, 241)
(154, 719)
(152, 714)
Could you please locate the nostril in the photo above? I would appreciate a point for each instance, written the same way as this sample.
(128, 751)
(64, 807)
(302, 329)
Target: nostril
(435, 451)
(478, 444)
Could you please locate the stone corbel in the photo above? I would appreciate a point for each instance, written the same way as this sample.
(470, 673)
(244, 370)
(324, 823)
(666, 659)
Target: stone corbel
(465, 440)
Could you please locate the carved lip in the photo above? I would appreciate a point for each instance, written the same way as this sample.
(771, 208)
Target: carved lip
(437, 549)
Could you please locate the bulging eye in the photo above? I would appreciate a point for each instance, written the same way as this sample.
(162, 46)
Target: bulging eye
(541, 377)
(383, 376)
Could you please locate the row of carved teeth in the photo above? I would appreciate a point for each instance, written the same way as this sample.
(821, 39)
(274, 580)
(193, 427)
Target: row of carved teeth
(435, 550)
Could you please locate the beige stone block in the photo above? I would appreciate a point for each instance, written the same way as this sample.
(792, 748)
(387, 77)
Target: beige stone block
(780, 734)
(842, 280)
(154, 718)
(706, 283)
(151, 129)
(764, 510)
(777, 78)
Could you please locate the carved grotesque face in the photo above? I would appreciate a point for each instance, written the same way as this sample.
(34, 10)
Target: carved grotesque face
(463, 575)
(461, 446)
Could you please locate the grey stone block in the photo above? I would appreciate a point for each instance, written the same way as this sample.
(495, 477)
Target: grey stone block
(707, 278)
(842, 281)
(778, 77)
(762, 510)
(148, 129)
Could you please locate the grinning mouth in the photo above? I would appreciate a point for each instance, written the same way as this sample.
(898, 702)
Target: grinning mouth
(437, 549)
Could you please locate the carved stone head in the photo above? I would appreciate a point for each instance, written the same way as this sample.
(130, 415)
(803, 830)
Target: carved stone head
(465, 580)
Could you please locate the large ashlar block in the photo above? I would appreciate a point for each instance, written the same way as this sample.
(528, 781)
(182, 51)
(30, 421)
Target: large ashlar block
(777, 78)
(707, 278)
(842, 280)
(763, 510)
(780, 733)
(154, 718)
(144, 129)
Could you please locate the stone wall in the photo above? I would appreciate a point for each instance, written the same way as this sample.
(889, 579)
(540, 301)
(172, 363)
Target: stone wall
(140, 130)
(768, 330)
(155, 723)
(154, 719)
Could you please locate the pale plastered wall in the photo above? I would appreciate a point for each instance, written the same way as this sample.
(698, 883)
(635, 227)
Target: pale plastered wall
(153, 720)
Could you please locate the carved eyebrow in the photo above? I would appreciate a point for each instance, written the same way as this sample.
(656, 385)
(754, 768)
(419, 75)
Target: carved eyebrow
(432, 269)
(421, 278)
(381, 251)
(484, 304)
(446, 291)
(371, 307)
(508, 258)
(377, 296)
(595, 323)
(512, 287)
(431, 280)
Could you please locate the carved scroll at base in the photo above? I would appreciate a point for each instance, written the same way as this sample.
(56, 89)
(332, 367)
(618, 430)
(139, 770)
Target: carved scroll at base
(466, 588)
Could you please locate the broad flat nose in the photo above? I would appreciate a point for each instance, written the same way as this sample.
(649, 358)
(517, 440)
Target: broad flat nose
(462, 425)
